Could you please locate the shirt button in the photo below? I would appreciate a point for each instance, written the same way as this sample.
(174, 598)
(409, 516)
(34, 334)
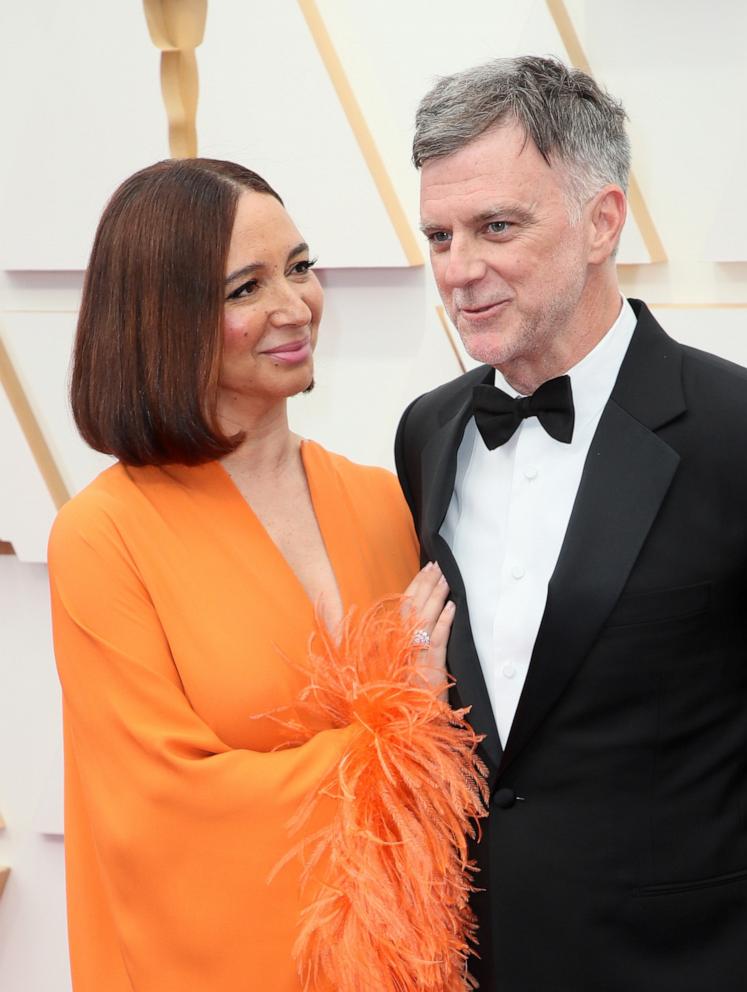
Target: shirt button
(530, 472)
(509, 670)
(518, 572)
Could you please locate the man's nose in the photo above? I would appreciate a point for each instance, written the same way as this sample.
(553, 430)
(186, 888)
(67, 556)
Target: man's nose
(464, 265)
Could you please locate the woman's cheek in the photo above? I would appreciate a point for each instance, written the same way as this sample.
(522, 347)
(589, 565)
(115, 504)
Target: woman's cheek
(235, 333)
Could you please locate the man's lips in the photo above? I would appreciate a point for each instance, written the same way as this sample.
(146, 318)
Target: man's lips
(484, 312)
(292, 352)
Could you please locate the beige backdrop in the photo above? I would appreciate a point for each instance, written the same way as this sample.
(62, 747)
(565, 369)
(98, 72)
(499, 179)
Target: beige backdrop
(318, 95)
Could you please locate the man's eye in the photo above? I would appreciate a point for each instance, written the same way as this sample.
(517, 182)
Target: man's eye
(498, 226)
(245, 289)
(439, 237)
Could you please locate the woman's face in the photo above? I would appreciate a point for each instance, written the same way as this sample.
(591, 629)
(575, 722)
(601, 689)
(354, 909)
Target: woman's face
(273, 304)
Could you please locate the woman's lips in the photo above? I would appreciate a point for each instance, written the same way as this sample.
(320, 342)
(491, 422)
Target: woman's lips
(292, 353)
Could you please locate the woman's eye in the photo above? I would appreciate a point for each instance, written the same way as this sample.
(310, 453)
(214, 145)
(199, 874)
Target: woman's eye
(245, 289)
(304, 266)
(498, 226)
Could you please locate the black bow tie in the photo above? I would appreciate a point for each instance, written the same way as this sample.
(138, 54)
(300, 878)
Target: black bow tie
(497, 414)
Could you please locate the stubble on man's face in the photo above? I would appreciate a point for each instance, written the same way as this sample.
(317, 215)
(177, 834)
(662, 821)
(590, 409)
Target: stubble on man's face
(520, 335)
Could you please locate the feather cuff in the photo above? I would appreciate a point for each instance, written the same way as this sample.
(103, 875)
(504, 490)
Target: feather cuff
(390, 871)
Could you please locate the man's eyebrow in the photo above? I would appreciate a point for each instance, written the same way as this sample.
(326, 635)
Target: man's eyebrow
(507, 212)
(247, 270)
(427, 228)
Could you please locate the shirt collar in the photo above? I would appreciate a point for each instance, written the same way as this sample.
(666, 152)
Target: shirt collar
(594, 376)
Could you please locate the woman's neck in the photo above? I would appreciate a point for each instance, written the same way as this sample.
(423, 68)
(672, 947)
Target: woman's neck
(268, 445)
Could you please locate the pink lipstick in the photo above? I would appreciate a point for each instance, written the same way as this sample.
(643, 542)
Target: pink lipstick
(291, 353)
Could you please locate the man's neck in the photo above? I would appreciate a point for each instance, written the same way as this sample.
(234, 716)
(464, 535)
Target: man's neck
(590, 324)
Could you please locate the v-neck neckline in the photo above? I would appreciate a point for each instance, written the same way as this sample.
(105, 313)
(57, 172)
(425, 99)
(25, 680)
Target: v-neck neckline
(307, 450)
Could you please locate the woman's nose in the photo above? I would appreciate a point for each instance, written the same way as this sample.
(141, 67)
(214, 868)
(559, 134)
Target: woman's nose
(290, 308)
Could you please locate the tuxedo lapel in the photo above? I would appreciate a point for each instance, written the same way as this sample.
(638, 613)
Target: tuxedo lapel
(439, 457)
(627, 474)
(439, 463)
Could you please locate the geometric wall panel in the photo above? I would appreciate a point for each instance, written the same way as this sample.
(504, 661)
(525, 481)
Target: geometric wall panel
(640, 241)
(26, 506)
(267, 97)
(681, 72)
(40, 345)
(283, 118)
(91, 113)
(100, 115)
(49, 460)
(726, 236)
(389, 98)
(16, 394)
(49, 819)
(32, 911)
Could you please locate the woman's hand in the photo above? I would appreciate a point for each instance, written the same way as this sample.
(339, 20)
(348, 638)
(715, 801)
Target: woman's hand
(426, 596)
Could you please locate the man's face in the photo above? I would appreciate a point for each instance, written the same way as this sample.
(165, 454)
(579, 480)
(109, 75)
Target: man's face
(510, 267)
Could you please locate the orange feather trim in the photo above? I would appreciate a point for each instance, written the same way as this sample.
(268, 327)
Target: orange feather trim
(391, 869)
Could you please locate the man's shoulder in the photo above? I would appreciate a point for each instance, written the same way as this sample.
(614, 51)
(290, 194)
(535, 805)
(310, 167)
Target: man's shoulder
(657, 361)
(712, 367)
(716, 391)
(665, 380)
(696, 361)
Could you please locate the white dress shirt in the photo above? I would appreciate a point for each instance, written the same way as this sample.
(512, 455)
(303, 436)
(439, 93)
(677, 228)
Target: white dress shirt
(508, 516)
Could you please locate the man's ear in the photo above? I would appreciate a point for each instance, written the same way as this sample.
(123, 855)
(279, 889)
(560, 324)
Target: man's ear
(608, 212)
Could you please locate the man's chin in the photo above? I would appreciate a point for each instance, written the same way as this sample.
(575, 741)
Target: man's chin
(482, 350)
(486, 344)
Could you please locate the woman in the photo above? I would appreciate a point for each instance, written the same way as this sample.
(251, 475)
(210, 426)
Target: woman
(242, 811)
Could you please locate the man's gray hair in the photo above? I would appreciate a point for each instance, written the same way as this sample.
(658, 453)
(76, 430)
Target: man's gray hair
(572, 121)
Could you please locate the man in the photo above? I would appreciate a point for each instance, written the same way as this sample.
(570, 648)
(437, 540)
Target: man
(585, 492)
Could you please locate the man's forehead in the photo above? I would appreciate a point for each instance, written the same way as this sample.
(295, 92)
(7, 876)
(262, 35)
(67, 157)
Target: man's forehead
(507, 136)
(499, 170)
(488, 156)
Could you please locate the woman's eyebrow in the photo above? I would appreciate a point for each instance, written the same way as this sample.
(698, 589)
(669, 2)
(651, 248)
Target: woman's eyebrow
(247, 270)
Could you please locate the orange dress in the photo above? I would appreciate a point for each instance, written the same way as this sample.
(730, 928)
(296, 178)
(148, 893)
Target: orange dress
(177, 623)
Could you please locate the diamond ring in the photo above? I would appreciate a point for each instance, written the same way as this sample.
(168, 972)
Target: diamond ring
(421, 637)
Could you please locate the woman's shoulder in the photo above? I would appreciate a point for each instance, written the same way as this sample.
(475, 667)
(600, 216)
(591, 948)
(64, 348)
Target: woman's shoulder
(101, 509)
(100, 495)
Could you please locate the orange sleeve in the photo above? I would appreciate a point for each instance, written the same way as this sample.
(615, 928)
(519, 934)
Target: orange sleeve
(186, 829)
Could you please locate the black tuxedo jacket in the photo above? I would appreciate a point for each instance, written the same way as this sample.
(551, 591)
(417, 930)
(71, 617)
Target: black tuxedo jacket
(615, 853)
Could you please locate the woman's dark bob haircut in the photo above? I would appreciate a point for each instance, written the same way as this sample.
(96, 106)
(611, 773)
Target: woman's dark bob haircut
(149, 343)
